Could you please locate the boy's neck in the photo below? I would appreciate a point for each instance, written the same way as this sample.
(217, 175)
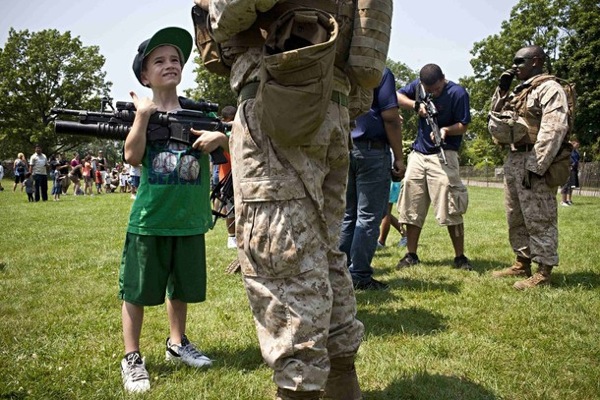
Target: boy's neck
(166, 100)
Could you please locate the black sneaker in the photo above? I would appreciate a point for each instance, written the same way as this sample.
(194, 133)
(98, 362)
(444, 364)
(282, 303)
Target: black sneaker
(462, 262)
(408, 260)
(371, 285)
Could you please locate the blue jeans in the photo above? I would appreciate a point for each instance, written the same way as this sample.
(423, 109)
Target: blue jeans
(41, 186)
(367, 196)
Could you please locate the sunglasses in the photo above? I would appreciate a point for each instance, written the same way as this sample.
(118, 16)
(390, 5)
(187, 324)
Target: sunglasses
(521, 60)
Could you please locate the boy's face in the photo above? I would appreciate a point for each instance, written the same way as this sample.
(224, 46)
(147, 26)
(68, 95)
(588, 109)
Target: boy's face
(162, 67)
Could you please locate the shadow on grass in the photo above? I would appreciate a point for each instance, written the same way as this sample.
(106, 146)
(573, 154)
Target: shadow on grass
(584, 280)
(417, 285)
(247, 359)
(410, 321)
(422, 386)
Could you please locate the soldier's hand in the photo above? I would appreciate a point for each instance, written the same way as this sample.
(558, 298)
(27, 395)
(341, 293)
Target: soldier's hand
(506, 79)
(528, 179)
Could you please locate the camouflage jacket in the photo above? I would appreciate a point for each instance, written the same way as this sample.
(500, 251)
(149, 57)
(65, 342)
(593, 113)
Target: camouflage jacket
(546, 107)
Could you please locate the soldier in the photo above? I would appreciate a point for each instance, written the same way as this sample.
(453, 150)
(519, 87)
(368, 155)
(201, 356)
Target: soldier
(540, 108)
(289, 153)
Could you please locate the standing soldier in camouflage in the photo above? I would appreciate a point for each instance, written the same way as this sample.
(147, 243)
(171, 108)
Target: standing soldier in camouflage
(289, 147)
(540, 108)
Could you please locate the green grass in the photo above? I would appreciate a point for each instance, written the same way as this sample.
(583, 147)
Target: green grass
(437, 334)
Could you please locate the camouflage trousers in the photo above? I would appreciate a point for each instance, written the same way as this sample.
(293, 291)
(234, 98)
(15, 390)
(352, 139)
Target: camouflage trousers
(289, 205)
(531, 213)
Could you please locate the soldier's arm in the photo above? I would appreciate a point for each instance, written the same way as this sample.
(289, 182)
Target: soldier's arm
(229, 17)
(553, 127)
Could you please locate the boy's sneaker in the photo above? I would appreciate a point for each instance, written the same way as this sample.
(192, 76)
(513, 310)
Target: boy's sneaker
(408, 260)
(134, 373)
(462, 262)
(186, 353)
(403, 241)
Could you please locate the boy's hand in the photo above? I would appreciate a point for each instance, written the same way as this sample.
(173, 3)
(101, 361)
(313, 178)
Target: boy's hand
(144, 106)
(208, 141)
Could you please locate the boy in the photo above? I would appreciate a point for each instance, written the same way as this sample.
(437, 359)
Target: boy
(164, 247)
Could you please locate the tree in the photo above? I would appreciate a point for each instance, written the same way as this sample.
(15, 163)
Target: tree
(40, 71)
(211, 87)
(580, 64)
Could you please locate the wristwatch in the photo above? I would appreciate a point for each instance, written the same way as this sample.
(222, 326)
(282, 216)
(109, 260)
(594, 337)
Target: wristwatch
(417, 106)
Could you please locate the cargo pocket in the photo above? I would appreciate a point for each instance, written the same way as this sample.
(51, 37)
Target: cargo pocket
(296, 76)
(276, 238)
(458, 200)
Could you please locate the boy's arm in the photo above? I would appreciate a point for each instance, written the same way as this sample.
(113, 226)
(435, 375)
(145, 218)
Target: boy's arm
(208, 141)
(135, 143)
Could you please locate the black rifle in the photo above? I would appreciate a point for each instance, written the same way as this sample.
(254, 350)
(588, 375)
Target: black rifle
(431, 118)
(167, 126)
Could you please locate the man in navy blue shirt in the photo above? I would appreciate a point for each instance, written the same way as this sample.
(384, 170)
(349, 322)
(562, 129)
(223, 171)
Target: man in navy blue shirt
(428, 179)
(376, 133)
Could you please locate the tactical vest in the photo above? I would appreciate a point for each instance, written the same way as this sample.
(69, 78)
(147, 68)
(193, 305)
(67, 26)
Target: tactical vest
(533, 115)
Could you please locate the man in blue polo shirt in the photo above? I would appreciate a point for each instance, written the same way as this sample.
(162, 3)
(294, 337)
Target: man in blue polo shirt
(430, 180)
(371, 169)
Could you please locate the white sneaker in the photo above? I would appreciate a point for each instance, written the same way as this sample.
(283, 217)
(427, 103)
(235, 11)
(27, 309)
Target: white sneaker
(403, 241)
(134, 373)
(186, 353)
(231, 242)
(565, 204)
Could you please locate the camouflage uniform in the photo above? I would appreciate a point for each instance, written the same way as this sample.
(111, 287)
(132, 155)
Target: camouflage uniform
(289, 205)
(532, 213)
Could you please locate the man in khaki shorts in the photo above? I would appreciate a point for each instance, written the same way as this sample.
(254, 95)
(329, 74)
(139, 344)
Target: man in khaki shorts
(428, 179)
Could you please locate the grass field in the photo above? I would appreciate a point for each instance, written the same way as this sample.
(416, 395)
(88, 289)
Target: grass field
(438, 333)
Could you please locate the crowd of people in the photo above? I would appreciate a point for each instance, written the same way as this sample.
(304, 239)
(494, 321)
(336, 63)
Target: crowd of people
(33, 175)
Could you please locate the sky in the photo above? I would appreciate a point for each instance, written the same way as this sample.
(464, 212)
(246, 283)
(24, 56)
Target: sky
(437, 31)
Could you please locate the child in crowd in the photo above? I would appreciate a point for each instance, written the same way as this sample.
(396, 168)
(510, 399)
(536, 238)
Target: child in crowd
(28, 184)
(98, 180)
(56, 184)
(164, 249)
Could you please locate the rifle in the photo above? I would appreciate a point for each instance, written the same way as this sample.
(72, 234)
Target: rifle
(431, 118)
(116, 124)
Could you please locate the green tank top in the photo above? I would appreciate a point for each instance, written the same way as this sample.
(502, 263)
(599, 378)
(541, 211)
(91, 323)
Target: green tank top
(173, 198)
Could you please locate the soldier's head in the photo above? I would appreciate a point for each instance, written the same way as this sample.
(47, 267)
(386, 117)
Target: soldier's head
(529, 62)
(433, 79)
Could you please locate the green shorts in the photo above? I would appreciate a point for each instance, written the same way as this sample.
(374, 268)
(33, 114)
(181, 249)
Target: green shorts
(155, 266)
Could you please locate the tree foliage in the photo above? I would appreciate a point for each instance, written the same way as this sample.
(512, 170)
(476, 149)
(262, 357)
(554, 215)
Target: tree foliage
(211, 87)
(40, 71)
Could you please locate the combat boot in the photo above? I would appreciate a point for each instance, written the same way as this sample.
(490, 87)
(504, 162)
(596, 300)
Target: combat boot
(521, 267)
(540, 278)
(342, 382)
(286, 394)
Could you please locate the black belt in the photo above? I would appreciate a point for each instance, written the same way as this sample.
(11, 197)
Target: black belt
(372, 144)
(522, 149)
